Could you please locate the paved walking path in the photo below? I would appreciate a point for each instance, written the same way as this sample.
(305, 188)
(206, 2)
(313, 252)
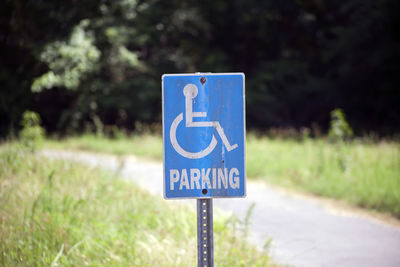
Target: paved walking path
(304, 232)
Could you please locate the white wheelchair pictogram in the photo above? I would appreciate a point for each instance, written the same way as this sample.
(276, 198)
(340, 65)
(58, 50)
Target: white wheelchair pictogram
(190, 91)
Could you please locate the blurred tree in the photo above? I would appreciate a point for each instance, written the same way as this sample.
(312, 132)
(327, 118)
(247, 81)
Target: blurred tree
(362, 62)
(103, 60)
(25, 28)
(114, 61)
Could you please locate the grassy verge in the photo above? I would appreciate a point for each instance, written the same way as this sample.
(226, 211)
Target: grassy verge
(56, 213)
(361, 173)
(141, 145)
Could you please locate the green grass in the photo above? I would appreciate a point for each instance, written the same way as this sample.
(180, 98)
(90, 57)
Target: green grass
(362, 173)
(56, 213)
(141, 145)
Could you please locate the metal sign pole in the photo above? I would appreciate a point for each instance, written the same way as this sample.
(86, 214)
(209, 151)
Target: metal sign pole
(205, 240)
(192, 162)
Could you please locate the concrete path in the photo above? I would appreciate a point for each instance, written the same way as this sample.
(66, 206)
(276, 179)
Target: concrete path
(304, 231)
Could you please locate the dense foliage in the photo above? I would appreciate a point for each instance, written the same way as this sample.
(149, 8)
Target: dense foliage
(89, 64)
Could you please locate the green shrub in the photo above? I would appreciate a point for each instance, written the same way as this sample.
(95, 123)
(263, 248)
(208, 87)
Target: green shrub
(340, 129)
(31, 134)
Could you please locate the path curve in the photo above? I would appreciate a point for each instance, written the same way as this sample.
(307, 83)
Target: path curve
(303, 232)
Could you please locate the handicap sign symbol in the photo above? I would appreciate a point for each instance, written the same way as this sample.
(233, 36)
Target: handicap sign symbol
(190, 91)
(204, 135)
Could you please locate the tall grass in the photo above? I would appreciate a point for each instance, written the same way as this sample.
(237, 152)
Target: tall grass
(145, 145)
(362, 172)
(56, 213)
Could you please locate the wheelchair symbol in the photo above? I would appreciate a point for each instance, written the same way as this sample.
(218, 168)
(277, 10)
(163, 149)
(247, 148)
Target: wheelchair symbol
(190, 92)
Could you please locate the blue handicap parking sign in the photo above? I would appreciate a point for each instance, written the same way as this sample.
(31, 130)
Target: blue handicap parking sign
(203, 135)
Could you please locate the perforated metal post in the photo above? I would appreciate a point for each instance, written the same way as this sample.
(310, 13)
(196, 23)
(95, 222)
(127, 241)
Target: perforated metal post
(205, 241)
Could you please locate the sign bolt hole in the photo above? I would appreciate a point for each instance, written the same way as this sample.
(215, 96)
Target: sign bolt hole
(203, 80)
(204, 191)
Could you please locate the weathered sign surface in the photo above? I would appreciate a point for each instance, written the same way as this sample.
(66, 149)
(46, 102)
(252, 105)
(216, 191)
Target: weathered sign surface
(204, 135)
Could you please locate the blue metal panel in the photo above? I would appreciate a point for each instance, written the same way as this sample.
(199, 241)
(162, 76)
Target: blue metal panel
(203, 135)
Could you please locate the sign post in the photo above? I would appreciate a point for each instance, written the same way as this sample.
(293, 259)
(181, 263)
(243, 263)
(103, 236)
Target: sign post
(205, 238)
(204, 144)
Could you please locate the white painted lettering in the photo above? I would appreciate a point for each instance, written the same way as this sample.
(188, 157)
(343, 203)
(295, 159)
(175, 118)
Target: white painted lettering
(184, 180)
(234, 181)
(205, 179)
(173, 178)
(214, 177)
(222, 177)
(194, 178)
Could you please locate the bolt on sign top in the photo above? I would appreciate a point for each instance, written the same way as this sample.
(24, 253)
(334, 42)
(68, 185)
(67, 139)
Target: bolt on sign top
(204, 135)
